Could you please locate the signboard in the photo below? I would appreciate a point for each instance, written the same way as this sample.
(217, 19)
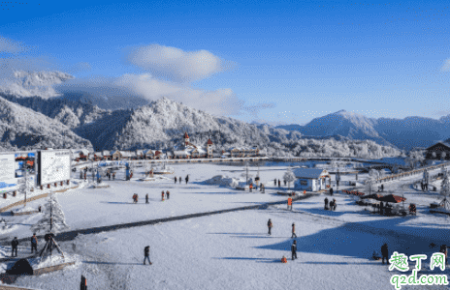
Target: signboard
(7, 167)
(54, 166)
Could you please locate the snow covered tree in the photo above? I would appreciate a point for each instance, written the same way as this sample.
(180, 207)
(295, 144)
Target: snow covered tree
(26, 185)
(53, 220)
(289, 176)
(375, 174)
(369, 184)
(445, 189)
(443, 155)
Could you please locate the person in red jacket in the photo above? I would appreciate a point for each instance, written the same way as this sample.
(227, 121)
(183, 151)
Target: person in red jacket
(162, 195)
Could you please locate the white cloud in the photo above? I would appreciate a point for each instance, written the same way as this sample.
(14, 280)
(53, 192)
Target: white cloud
(446, 66)
(217, 102)
(10, 46)
(175, 64)
(28, 84)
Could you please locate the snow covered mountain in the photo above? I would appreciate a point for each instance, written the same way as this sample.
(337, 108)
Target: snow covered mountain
(70, 113)
(162, 124)
(404, 133)
(21, 127)
(165, 121)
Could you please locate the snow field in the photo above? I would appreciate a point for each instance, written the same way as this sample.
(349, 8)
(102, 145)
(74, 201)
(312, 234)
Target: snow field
(232, 250)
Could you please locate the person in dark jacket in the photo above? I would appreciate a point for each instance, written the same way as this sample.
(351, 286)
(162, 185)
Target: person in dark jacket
(114, 176)
(162, 195)
(147, 255)
(146, 198)
(279, 183)
(14, 245)
(331, 191)
(293, 231)
(34, 243)
(326, 202)
(381, 208)
(294, 250)
(179, 180)
(269, 225)
(175, 179)
(187, 179)
(285, 182)
(167, 194)
(382, 187)
(385, 253)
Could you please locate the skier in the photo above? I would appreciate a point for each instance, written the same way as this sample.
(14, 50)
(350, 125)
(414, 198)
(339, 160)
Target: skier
(294, 250)
(326, 203)
(162, 195)
(279, 183)
(269, 225)
(146, 198)
(135, 198)
(167, 194)
(147, 255)
(333, 204)
(385, 254)
(179, 180)
(34, 243)
(293, 231)
(289, 203)
(14, 245)
(175, 179)
(187, 179)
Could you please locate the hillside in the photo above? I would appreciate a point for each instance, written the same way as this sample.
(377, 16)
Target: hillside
(22, 128)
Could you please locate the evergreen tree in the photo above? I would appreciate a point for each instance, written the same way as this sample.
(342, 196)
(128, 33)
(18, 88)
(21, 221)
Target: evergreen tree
(53, 220)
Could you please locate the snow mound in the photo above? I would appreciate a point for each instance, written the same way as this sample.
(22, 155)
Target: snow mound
(23, 209)
(227, 181)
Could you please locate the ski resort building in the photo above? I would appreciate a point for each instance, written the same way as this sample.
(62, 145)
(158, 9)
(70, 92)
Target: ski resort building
(106, 155)
(440, 150)
(310, 179)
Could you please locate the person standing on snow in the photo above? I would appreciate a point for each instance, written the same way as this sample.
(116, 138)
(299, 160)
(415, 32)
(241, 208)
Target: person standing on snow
(269, 225)
(326, 202)
(294, 250)
(34, 243)
(162, 195)
(385, 253)
(179, 180)
(167, 194)
(275, 182)
(187, 179)
(175, 179)
(146, 198)
(279, 183)
(293, 231)
(14, 245)
(147, 255)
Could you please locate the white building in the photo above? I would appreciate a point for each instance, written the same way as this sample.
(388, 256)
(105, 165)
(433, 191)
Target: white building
(310, 179)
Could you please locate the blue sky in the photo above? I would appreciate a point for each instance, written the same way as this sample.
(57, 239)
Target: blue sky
(290, 61)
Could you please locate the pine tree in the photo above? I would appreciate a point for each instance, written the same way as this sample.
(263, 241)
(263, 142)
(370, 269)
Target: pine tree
(289, 176)
(53, 220)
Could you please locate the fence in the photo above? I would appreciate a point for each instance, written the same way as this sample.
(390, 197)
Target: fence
(411, 173)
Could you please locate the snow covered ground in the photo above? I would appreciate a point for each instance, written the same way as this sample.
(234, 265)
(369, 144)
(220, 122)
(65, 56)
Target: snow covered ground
(232, 250)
